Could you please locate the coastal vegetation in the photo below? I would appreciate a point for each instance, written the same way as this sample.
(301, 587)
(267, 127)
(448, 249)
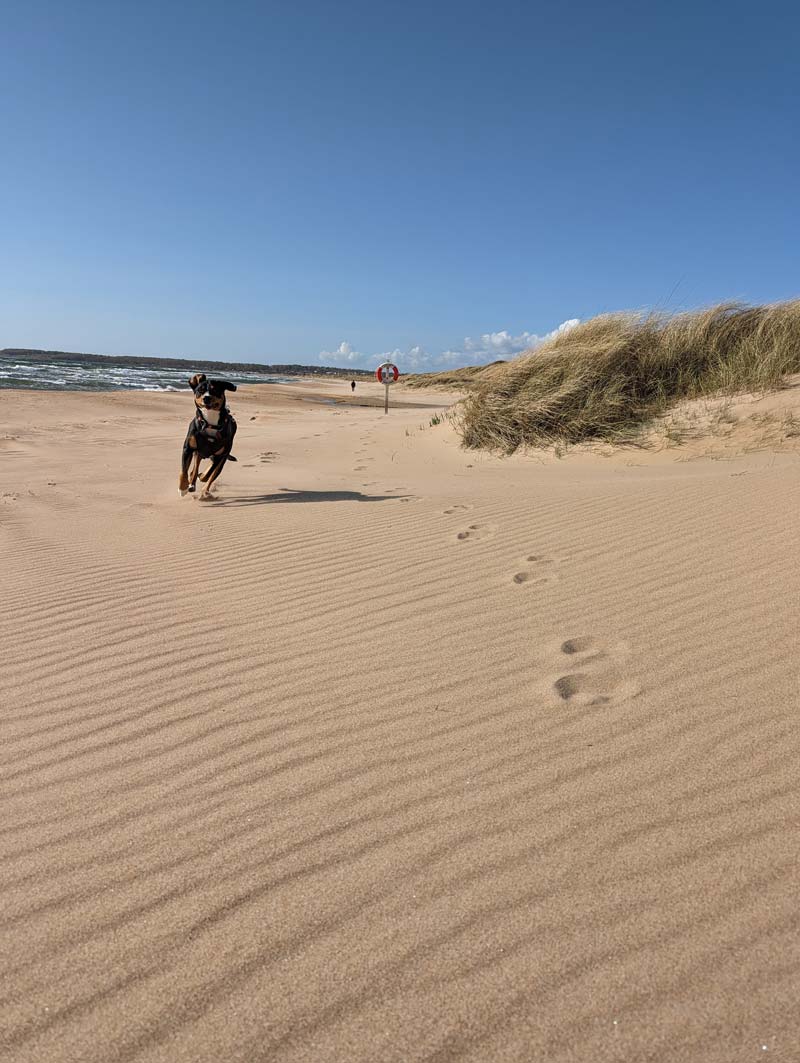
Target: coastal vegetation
(607, 378)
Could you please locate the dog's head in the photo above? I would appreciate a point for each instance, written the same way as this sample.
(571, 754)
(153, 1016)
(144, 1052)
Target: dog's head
(209, 394)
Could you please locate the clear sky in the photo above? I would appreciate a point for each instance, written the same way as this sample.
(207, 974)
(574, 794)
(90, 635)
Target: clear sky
(440, 181)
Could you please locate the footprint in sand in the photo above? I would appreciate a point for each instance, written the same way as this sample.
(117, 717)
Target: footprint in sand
(458, 507)
(543, 569)
(268, 455)
(530, 578)
(476, 531)
(598, 673)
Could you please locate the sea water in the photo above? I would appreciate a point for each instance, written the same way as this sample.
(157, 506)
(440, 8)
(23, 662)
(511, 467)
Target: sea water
(76, 374)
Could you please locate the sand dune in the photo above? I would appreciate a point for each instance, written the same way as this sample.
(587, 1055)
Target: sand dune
(396, 751)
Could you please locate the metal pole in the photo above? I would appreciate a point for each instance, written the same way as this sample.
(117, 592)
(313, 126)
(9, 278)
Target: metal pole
(386, 403)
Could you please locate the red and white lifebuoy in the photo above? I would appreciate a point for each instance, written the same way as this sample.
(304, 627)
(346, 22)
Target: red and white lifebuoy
(387, 373)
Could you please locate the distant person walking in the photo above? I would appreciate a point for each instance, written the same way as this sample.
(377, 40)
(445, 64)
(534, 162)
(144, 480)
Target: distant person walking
(352, 385)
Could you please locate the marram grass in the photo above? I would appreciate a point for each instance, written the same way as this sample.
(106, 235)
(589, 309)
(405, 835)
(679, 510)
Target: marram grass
(606, 378)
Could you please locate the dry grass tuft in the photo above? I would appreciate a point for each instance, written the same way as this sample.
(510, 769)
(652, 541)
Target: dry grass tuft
(606, 378)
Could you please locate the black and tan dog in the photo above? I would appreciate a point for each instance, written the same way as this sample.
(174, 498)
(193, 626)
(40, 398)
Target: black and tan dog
(210, 434)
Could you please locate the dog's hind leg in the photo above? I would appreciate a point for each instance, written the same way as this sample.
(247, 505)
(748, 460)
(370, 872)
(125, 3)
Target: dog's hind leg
(208, 478)
(216, 459)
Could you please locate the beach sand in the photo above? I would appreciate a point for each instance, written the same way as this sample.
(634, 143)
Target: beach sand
(395, 752)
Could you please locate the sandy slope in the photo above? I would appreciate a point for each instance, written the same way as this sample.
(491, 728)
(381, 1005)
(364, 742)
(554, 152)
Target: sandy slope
(396, 752)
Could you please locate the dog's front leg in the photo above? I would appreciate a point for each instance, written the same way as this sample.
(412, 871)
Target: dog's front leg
(189, 451)
(194, 470)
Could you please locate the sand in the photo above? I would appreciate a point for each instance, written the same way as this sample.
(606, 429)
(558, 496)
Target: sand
(395, 752)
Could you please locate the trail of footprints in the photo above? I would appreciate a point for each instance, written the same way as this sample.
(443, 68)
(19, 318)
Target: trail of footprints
(360, 455)
(593, 672)
(541, 569)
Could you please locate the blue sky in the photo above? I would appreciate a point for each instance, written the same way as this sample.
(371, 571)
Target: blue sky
(444, 182)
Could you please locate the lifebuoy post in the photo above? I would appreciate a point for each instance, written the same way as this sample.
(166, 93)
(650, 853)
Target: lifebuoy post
(387, 373)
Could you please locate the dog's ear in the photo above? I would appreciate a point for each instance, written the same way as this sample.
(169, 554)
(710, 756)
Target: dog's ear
(224, 384)
(198, 378)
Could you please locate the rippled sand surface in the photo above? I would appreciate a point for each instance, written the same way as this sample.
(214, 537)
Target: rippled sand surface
(395, 752)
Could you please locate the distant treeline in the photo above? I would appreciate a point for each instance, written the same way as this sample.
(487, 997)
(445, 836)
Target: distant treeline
(187, 363)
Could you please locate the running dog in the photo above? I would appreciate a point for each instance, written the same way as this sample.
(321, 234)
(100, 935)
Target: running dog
(210, 434)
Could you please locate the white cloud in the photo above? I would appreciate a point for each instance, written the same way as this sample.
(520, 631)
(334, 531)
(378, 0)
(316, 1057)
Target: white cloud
(564, 326)
(493, 345)
(412, 360)
(415, 359)
(344, 352)
(486, 348)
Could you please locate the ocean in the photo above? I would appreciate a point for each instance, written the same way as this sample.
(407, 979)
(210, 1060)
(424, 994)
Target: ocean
(76, 374)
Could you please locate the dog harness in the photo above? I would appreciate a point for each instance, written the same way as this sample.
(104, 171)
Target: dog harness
(211, 437)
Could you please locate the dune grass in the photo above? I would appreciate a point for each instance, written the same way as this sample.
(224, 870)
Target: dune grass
(462, 379)
(610, 376)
